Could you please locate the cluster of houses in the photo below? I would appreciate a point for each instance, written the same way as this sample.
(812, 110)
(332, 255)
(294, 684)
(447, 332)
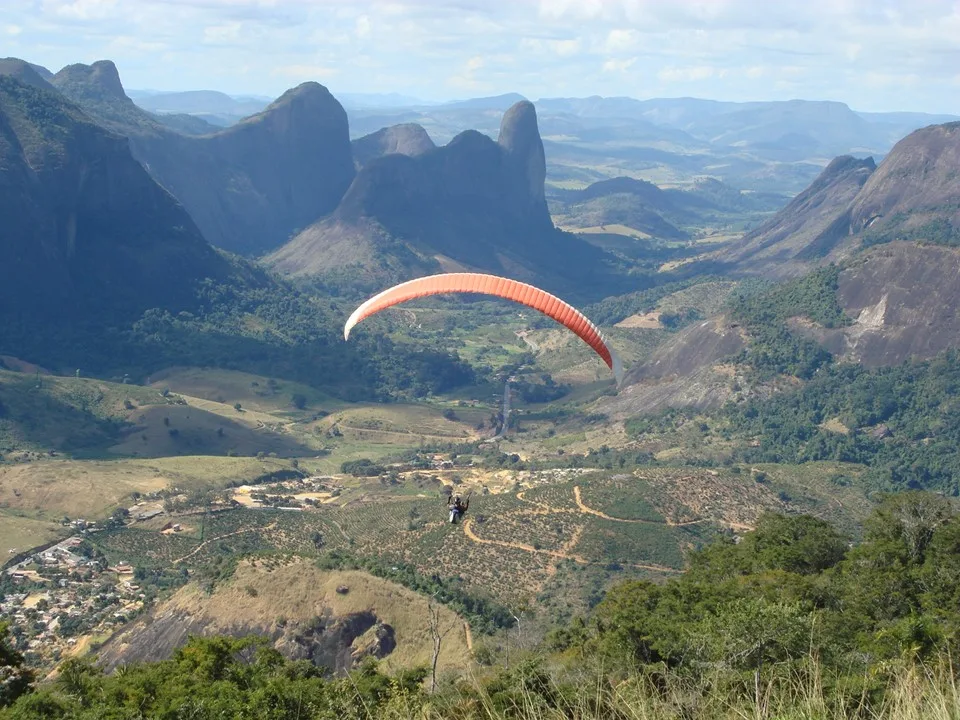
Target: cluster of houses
(59, 595)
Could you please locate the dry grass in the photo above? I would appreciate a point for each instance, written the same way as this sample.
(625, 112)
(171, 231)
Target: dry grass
(90, 489)
(614, 229)
(169, 430)
(259, 594)
(645, 321)
(835, 425)
(21, 533)
(229, 387)
(410, 421)
(50, 489)
(913, 693)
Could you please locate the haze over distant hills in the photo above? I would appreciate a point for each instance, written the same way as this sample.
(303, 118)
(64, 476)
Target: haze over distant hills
(772, 146)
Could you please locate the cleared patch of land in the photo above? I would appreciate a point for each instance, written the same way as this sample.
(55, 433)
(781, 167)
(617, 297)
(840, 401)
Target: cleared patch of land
(18, 534)
(253, 392)
(646, 321)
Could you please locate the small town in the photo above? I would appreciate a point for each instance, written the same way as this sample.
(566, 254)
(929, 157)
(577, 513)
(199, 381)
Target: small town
(61, 599)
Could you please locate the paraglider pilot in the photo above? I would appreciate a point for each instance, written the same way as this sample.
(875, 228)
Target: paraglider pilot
(457, 507)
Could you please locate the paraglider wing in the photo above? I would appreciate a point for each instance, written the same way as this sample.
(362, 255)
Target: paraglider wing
(528, 295)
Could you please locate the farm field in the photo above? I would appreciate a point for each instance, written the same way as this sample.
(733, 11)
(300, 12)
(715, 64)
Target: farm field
(516, 535)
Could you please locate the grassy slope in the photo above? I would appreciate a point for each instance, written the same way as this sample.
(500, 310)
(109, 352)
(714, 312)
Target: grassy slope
(262, 592)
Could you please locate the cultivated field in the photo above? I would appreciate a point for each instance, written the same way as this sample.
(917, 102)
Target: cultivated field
(516, 536)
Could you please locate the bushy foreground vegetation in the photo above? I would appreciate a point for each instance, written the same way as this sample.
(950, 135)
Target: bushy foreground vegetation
(789, 622)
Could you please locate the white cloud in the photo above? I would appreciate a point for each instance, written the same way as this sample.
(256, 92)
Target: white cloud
(560, 48)
(577, 9)
(618, 65)
(79, 9)
(566, 48)
(467, 79)
(866, 53)
(892, 81)
(363, 26)
(125, 42)
(621, 40)
(225, 34)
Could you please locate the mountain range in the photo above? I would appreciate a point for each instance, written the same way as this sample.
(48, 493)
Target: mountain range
(394, 204)
(766, 146)
(911, 195)
(770, 146)
(247, 186)
(86, 230)
(473, 204)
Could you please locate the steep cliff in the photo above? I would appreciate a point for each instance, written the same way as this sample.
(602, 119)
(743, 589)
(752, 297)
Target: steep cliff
(474, 203)
(248, 187)
(86, 230)
(815, 224)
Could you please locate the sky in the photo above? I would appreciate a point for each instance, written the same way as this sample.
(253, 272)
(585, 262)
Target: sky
(875, 55)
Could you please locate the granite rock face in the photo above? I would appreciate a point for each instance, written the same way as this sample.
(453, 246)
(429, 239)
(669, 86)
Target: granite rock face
(248, 187)
(473, 204)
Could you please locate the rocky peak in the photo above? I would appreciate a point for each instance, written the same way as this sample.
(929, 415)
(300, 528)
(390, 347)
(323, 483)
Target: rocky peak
(305, 95)
(848, 163)
(404, 139)
(518, 128)
(520, 139)
(915, 184)
(101, 77)
(24, 72)
(300, 114)
(836, 171)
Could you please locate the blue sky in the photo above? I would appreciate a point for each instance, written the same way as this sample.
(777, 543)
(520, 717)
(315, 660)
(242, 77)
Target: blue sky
(871, 54)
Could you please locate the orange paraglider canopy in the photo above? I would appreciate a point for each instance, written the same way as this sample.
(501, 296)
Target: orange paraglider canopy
(523, 293)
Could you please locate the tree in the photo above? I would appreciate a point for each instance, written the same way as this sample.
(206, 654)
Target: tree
(751, 633)
(298, 400)
(438, 632)
(15, 679)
